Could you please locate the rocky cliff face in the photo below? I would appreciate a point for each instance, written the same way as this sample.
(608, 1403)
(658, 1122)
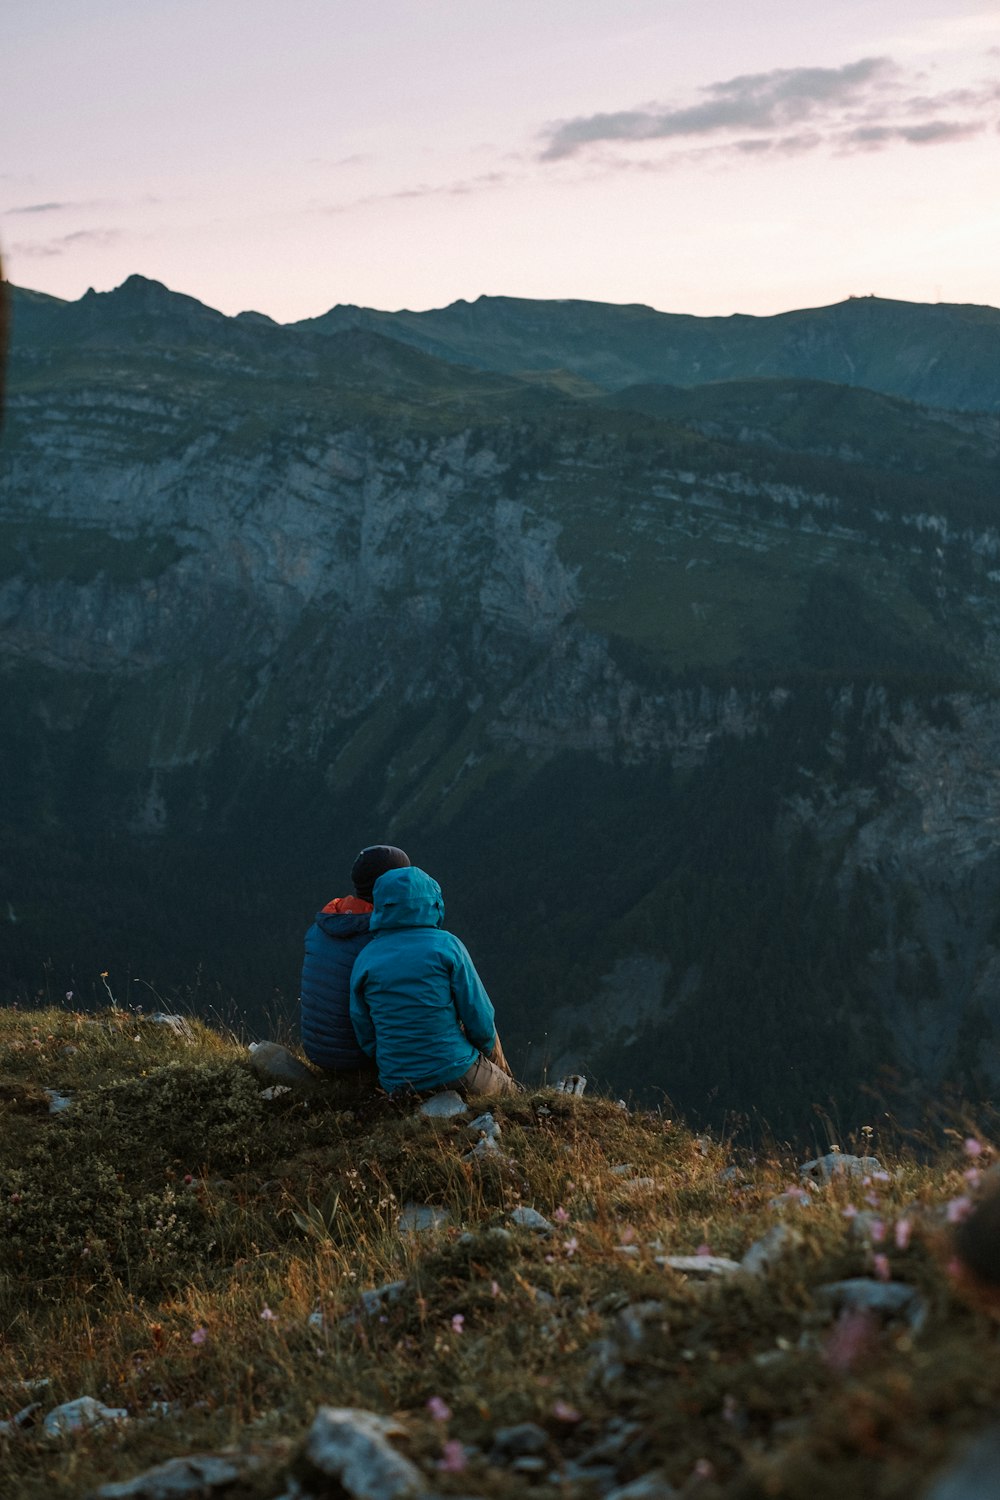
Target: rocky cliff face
(669, 705)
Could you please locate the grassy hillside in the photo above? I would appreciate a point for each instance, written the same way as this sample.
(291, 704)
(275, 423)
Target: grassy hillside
(192, 1253)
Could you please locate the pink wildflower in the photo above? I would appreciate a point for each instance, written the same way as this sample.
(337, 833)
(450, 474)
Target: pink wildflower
(561, 1216)
(876, 1231)
(440, 1410)
(458, 1323)
(494, 1288)
(199, 1336)
(628, 1234)
(872, 1200)
(572, 1245)
(563, 1412)
(850, 1212)
(704, 1469)
(453, 1459)
(849, 1339)
(880, 1265)
(703, 1250)
(973, 1176)
(958, 1209)
(903, 1231)
(267, 1316)
(973, 1147)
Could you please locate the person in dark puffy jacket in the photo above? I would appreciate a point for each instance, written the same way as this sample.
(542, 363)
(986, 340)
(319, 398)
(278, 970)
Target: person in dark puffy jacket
(333, 942)
(418, 1006)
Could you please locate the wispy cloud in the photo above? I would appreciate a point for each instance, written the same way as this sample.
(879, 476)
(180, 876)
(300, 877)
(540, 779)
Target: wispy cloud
(462, 187)
(869, 104)
(61, 244)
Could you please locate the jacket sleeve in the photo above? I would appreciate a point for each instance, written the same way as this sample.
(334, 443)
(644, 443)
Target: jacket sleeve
(361, 1016)
(473, 1004)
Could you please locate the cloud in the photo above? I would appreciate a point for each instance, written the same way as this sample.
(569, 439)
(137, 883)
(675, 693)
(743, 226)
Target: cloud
(39, 208)
(43, 249)
(869, 104)
(460, 188)
(752, 101)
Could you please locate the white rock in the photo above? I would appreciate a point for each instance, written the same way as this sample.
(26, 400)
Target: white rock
(764, 1254)
(81, 1414)
(275, 1064)
(485, 1125)
(485, 1146)
(57, 1102)
(530, 1218)
(699, 1265)
(420, 1218)
(836, 1164)
(573, 1083)
(890, 1298)
(351, 1447)
(275, 1091)
(444, 1106)
(376, 1298)
(195, 1476)
(24, 1418)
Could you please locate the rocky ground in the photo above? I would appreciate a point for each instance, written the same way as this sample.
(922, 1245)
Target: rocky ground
(221, 1275)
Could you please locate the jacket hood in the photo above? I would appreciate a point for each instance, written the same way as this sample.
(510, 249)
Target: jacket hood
(406, 898)
(342, 924)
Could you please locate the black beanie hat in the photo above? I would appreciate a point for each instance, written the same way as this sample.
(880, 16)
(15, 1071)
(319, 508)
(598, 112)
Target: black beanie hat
(373, 862)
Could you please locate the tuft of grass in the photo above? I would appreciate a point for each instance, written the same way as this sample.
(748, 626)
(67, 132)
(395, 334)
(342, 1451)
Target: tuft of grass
(176, 1245)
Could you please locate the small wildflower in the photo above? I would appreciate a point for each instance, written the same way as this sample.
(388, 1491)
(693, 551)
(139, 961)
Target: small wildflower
(561, 1216)
(973, 1147)
(703, 1250)
(267, 1316)
(876, 1231)
(549, 1259)
(850, 1212)
(851, 1338)
(453, 1459)
(440, 1410)
(571, 1245)
(973, 1176)
(880, 1265)
(628, 1235)
(872, 1200)
(881, 1176)
(494, 1288)
(199, 1336)
(458, 1323)
(954, 1268)
(958, 1209)
(69, 994)
(563, 1412)
(903, 1231)
(704, 1469)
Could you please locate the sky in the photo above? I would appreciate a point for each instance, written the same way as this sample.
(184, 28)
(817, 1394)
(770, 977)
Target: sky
(699, 156)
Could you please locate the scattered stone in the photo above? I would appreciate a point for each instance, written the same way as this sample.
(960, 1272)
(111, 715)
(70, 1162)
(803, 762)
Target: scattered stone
(502, 1236)
(177, 1024)
(890, 1298)
(276, 1091)
(21, 1419)
(57, 1102)
(636, 1186)
(631, 1251)
(573, 1083)
(795, 1197)
(352, 1448)
(623, 1169)
(731, 1174)
(275, 1064)
(178, 1479)
(652, 1486)
(69, 1050)
(80, 1415)
(764, 1254)
(974, 1476)
(526, 1440)
(485, 1125)
(530, 1218)
(699, 1265)
(373, 1300)
(444, 1106)
(421, 1218)
(836, 1164)
(486, 1146)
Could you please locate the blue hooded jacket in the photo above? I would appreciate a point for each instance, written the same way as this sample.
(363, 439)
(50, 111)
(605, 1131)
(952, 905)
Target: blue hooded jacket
(414, 988)
(333, 942)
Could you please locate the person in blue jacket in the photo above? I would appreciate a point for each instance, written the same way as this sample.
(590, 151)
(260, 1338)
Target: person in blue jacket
(418, 1006)
(333, 942)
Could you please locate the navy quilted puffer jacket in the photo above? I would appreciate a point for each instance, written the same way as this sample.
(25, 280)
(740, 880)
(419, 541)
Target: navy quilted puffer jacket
(333, 942)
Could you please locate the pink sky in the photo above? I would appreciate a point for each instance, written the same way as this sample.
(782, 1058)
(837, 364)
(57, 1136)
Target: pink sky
(704, 156)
